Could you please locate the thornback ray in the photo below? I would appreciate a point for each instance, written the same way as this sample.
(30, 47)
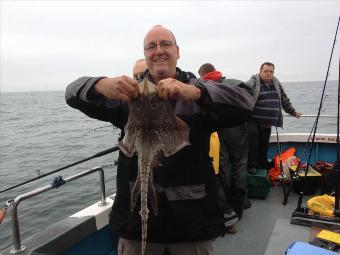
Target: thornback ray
(152, 131)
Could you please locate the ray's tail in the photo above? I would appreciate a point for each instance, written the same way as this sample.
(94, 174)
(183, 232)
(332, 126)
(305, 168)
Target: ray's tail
(143, 186)
(144, 211)
(144, 230)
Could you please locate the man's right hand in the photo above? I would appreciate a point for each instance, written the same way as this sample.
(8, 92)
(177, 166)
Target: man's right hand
(297, 115)
(122, 87)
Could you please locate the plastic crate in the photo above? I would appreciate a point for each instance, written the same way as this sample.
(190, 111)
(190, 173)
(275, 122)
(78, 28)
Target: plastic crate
(301, 248)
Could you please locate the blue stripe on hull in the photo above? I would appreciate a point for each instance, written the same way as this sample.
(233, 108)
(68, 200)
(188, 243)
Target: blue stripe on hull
(321, 151)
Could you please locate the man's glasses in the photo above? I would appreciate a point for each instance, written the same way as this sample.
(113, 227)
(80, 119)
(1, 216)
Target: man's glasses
(163, 44)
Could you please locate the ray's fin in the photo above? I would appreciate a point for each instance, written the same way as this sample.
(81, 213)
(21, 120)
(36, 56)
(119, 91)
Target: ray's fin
(152, 196)
(179, 140)
(126, 148)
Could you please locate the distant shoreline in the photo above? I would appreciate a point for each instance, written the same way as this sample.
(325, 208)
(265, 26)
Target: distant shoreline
(42, 91)
(329, 81)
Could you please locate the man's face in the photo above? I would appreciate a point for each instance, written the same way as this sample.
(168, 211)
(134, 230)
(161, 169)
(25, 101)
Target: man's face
(161, 53)
(267, 73)
(139, 68)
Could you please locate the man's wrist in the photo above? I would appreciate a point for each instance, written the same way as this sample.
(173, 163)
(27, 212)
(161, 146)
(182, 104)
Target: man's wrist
(93, 93)
(196, 93)
(202, 89)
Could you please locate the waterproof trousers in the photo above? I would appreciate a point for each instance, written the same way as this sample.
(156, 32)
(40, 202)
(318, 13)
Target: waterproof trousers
(233, 165)
(233, 156)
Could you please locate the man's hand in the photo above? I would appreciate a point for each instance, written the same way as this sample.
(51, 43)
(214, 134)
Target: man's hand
(122, 87)
(297, 115)
(173, 89)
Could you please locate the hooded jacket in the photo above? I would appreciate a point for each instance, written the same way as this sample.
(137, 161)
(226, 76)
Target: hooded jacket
(185, 183)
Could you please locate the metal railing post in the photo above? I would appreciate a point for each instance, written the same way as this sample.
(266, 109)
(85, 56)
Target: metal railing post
(17, 247)
(102, 188)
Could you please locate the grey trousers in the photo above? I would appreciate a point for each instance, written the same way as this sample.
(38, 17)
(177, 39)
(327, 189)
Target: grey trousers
(131, 247)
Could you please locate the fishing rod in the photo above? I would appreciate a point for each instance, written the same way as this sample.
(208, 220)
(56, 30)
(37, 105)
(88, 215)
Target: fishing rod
(301, 215)
(319, 110)
(286, 186)
(99, 154)
(308, 142)
(336, 165)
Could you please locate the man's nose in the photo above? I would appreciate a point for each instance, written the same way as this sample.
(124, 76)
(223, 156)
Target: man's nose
(159, 49)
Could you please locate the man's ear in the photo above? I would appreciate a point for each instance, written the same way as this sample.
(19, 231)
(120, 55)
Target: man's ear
(178, 55)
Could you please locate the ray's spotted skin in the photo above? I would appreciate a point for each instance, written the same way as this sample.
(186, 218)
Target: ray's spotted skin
(152, 131)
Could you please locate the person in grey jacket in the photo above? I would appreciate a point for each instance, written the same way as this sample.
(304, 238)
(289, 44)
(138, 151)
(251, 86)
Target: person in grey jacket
(269, 98)
(189, 217)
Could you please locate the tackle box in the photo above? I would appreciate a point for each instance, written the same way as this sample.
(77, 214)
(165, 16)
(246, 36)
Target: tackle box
(312, 181)
(258, 184)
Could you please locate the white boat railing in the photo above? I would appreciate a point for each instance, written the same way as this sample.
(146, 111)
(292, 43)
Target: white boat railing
(303, 137)
(17, 247)
(313, 116)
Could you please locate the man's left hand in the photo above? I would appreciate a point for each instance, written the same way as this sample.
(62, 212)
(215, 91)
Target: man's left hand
(173, 89)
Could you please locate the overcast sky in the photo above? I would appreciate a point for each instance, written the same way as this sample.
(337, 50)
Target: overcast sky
(47, 44)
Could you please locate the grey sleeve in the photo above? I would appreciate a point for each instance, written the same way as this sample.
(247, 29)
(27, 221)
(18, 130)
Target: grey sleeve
(223, 105)
(226, 94)
(285, 102)
(251, 84)
(77, 96)
(80, 88)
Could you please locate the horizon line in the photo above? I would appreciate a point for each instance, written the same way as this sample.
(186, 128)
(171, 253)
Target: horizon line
(55, 90)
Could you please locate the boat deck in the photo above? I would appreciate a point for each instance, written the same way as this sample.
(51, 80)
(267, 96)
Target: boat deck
(263, 226)
(265, 229)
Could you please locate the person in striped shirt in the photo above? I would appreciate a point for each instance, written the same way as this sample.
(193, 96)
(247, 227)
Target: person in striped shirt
(269, 98)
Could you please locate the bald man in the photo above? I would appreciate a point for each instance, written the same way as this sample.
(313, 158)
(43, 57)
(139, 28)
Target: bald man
(189, 217)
